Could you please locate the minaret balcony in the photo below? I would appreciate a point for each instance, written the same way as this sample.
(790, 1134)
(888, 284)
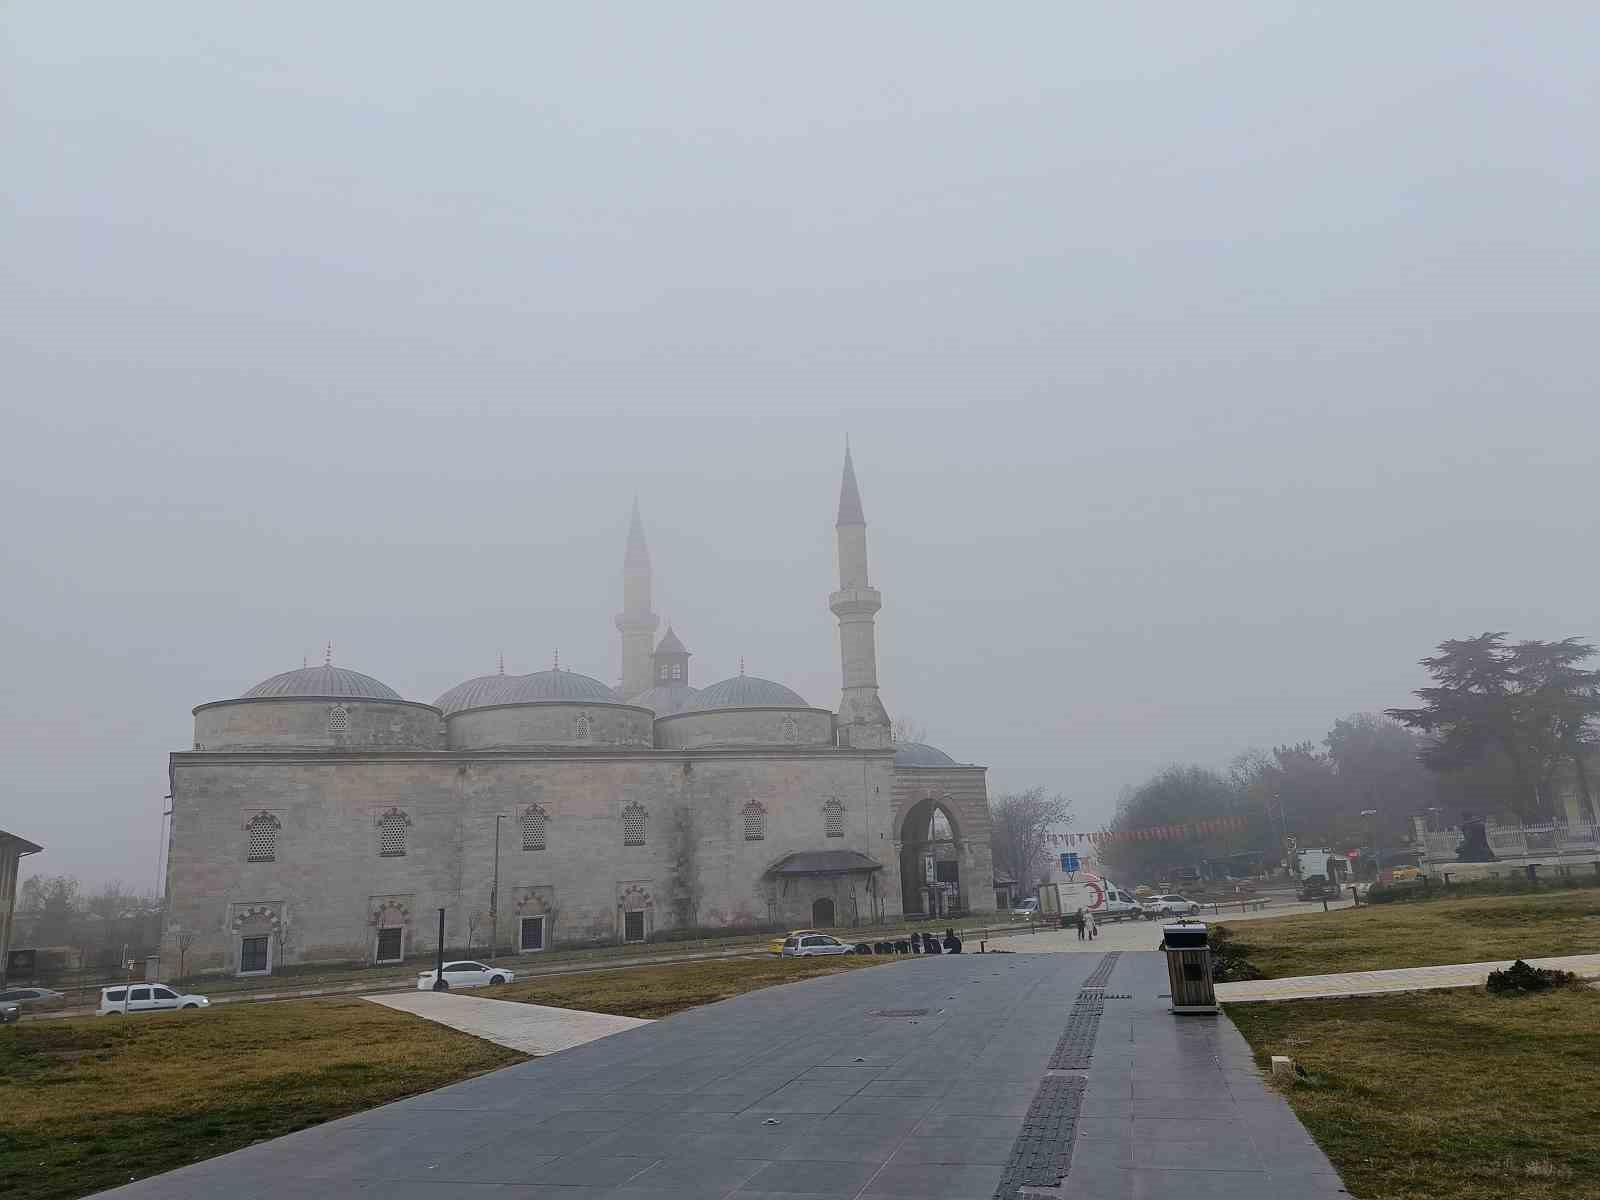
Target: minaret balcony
(855, 602)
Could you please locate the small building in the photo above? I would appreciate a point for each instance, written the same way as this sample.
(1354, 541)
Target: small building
(13, 850)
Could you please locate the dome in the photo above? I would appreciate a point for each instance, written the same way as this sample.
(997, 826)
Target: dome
(666, 698)
(920, 754)
(323, 681)
(746, 691)
(474, 693)
(541, 687)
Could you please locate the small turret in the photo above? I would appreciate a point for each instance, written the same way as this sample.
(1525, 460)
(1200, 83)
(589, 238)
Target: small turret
(669, 664)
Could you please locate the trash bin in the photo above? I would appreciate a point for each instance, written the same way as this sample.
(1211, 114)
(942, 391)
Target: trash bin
(1189, 968)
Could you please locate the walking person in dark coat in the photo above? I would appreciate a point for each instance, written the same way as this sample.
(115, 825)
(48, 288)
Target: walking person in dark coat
(1079, 924)
(952, 944)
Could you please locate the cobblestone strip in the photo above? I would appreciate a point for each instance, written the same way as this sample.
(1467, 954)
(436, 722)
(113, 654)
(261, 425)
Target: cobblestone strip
(1042, 1154)
(1076, 1047)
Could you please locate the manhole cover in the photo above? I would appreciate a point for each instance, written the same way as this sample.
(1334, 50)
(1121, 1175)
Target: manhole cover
(899, 1012)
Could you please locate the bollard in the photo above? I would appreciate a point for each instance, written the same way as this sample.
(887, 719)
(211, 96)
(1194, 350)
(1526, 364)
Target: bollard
(1324, 904)
(981, 947)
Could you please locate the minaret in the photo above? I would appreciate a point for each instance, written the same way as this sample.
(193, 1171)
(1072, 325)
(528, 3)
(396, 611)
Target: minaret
(862, 720)
(636, 622)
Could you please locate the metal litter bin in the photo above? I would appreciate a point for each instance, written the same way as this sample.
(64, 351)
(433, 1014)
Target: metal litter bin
(1189, 968)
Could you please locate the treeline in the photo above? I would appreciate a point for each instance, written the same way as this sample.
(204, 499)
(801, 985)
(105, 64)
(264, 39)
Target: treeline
(1503, 731)
(88, 929)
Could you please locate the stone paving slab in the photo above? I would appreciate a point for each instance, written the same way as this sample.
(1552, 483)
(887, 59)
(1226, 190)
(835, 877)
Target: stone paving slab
(532, 1028)
(1405, 979)
(802, 1090)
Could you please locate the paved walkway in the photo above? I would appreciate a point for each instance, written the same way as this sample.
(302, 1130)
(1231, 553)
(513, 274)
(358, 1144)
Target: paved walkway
(531, 1028)
(1406, 979)
(1136, 935)
(918, 1079)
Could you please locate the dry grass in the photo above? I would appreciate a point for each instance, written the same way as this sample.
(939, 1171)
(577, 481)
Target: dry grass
(90, 1102)
(1378, 937)
(1446, 1095)
(661, 991)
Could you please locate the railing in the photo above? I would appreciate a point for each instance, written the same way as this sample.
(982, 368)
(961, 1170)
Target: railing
(1519, 841)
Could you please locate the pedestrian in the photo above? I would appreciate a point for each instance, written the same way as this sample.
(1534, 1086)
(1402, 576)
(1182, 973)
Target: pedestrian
(1094, 927)
(952, 944)
(1079, 924)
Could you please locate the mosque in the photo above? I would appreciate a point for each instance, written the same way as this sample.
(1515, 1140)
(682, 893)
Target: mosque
(322, 817)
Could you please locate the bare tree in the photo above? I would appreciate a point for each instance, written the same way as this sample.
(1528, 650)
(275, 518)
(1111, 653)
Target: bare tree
(185, 939)
(909, 729)
(1021, 823)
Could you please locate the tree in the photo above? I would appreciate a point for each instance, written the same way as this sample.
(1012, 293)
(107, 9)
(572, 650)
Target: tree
(1020, 823)
(1520, 712)
(909, 729)
(185, 939)
(1183, 795)
(56, 900)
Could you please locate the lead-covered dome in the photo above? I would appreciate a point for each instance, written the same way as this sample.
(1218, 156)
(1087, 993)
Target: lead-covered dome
(746, 691)
(323, 681)
(541, 687)
(920, 754)
(474, 693)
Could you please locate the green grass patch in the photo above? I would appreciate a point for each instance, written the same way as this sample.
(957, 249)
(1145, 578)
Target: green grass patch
(653, 992)
(1445, 1095)
(1372, 938)
(91, 1102)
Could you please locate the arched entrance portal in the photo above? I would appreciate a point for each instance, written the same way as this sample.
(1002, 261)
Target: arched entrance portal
(930, 860)
(822, 912)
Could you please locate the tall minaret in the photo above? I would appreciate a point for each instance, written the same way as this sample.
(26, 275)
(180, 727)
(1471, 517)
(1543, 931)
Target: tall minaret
(636, 622)
(862, 721)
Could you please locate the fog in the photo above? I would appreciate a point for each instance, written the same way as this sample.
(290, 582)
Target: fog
(1203, 366)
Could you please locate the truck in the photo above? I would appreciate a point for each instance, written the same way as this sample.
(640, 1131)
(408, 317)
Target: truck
(1094, 894)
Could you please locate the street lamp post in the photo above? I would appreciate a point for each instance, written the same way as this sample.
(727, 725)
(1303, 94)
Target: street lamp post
(494, 893)
(1377, 850)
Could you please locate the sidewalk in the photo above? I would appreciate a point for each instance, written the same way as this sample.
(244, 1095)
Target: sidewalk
(1405, 979)
(531, 1028)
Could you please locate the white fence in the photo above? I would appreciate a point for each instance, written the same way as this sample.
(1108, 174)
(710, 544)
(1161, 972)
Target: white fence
(1551, 839)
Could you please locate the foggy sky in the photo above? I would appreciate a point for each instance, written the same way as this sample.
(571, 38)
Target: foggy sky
(1204, 366)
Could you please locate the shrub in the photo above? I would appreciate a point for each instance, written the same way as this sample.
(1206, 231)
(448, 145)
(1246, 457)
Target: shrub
(1520, 979)
(1230, 959)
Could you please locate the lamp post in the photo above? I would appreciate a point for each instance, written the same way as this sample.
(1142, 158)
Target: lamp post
(439, 985)
(494, 893)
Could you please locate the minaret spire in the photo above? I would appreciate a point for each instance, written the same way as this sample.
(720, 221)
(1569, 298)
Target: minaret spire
(636, 622)
(863, 723)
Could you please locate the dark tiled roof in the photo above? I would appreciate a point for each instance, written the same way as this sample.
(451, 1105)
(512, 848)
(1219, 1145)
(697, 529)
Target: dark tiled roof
(826, 862)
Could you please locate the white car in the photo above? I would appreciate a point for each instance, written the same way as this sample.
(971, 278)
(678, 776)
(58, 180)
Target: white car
(1026, 908)
(815, 943)
(145, 997)
(464, 974)
(1171, 906)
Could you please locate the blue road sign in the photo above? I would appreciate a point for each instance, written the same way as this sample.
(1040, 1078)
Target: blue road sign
(1069, 862)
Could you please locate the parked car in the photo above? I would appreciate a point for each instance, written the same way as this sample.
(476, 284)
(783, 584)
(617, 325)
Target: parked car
(1026, 908)
(464, 974)
(10, 1013)
(145, 997)
(1171, 905)
(807, 945)
(777, 944)
(28, 995)
(1316, 887)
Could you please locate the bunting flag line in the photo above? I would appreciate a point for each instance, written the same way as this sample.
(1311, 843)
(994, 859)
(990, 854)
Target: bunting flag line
(1163, 833)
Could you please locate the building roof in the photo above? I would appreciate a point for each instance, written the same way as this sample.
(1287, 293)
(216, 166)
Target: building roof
(669, 643)
(19, 845)
(666, 698)
(825, 862)
(920, 754)
(474, 693)
(539, 687)
(323, 681)
(746, 691)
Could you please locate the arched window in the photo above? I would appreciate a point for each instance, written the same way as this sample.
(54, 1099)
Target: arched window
(633, 824)
(533, 821)
(263, 838)
(833, 817)
(790, 728)
(585, 727)
(338, 719)
(392, 828)
(755, 822)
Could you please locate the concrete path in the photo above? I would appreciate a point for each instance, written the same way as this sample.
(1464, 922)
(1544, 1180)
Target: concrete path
(531, 1028)
(1138, 935)
(921, 1079)
(1405, 979)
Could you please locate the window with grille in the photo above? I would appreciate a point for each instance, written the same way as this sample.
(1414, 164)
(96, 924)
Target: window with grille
(532, 933)
(533, 820)
(677, 670)
(661, 672)
(584, 727)
(263, 838)
(392, 828)
(633, 822)
(833, 818)
(633, 927)
(755, 822)
(388, 945)
(253, 955)
(791, 730)
(338, 719)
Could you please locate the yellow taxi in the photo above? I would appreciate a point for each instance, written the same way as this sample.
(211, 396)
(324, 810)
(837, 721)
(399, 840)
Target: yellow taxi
(776, 944)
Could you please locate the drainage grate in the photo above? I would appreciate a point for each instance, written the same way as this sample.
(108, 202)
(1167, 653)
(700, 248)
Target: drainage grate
(1042, 1153)
(898, 1012)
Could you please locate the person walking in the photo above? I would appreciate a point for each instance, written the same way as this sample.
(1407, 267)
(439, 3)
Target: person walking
(1094, 926)
(952, 944)
(1078, 924)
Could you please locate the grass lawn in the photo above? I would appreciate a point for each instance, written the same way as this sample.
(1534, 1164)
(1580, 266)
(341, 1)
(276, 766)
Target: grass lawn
(661, 991)
(87, 1103)
(1446, 1095)
(1424, 934)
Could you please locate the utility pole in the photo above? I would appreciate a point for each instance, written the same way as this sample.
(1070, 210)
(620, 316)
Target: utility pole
(1377, 850)
(494, 893)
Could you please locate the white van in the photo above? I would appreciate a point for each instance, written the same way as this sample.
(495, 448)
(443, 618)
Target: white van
(1100, 896)
(145, 997)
